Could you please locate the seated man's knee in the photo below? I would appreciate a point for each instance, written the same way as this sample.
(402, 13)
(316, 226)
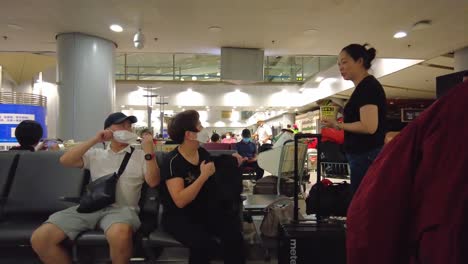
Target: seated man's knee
(119, 233)
(45, 236)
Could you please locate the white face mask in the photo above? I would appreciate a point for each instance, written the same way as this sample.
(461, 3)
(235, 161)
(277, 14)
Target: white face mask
(124, 136)
(228, 137)
(201, 136)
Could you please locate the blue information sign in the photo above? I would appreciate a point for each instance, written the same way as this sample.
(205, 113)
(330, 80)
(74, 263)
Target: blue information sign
(12, 114)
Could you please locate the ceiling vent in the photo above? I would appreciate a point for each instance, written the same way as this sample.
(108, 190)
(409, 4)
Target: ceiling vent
(242, 66)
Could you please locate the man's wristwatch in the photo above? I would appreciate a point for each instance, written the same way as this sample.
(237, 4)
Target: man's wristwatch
(149, 156)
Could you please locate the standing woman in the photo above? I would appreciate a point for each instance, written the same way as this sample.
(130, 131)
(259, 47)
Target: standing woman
(364, 114)
(191, 214)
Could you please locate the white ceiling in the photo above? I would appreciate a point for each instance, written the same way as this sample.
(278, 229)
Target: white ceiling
(275, 26)
(182, 26)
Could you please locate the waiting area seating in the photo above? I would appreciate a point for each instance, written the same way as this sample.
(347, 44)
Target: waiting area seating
(32, 187)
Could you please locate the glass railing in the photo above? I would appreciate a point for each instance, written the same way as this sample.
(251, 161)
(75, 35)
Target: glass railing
(205, 67)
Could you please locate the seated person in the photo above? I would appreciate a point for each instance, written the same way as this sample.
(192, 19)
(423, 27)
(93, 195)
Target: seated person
(285, 135)
(229, 138)
(148, 132)
(248, 151)
(28, 133)
(191, 214)
(215, 138)
(120, 220)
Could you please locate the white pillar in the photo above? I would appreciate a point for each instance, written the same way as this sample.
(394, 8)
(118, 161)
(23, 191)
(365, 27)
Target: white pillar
(461, 59)
(86, 84)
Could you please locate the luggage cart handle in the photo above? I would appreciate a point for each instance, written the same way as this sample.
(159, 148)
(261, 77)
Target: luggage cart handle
(296, 172)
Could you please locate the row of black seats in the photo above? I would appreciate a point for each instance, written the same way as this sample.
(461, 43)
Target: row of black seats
(31, 185)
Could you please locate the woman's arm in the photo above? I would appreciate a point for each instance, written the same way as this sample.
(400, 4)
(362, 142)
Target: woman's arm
(369, 115)
(181, 195)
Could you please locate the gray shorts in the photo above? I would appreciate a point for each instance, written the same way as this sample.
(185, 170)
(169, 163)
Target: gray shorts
(72, 223)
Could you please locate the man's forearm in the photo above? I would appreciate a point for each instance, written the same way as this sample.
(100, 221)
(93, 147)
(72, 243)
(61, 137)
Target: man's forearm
(73, 156)
(152, 176)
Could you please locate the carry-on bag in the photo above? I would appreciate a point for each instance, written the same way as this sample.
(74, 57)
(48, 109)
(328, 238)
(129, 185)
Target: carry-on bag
(319, 241)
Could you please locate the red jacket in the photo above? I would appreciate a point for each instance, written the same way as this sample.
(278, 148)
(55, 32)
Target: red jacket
(412, 205)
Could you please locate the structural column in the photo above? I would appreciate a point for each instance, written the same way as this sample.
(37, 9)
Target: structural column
(86, 84)
(461, 59)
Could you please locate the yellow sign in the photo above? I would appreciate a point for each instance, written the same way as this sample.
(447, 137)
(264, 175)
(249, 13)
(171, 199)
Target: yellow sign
(328, 112)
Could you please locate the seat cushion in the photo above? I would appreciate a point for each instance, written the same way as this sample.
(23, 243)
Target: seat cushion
(90, 238)
(159, 238)
(18, 231)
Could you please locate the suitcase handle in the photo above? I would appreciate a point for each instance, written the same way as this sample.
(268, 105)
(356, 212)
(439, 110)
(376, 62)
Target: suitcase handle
(296, 172)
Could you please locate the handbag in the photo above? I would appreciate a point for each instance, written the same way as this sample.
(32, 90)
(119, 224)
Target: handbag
(100, 193)
(334, 199)
(278, 212)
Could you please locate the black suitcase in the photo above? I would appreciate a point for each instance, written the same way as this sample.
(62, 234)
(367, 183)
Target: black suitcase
(317, 242)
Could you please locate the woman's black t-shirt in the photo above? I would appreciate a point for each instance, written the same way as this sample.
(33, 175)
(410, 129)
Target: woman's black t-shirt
(368, 92)
(176, 166)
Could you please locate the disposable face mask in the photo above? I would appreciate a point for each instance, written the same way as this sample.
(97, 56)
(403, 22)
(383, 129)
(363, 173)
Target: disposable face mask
(246, 140)
(201, 136)
(124, 136)
(228, 137)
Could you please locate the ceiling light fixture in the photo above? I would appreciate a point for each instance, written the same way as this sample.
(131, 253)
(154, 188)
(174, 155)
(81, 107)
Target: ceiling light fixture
(139, 40)
(215, 29)
(116, 28)
(310, 32)
(14, 26)
(319, 79)
(194, 78)
(400, 34)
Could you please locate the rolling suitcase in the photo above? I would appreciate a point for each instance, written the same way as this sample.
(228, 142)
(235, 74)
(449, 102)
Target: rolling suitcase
(318, 241)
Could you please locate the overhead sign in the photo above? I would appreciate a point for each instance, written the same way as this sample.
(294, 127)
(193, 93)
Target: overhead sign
(409, 114)
(13, 114)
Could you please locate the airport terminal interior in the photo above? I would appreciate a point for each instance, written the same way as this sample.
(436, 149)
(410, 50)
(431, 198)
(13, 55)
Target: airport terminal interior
(279, 76)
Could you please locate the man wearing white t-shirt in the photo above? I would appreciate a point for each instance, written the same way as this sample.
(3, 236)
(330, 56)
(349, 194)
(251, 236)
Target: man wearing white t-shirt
(263, 133)
(118, 221)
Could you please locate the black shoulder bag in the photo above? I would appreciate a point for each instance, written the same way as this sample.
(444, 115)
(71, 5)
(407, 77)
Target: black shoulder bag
(101, 192)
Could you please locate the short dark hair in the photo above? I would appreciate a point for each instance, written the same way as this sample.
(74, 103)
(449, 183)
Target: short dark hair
(146, 130)
(357, 51)
(28, 133)
(465, 74)
(182, 122)
(246, 133)
(215, 137)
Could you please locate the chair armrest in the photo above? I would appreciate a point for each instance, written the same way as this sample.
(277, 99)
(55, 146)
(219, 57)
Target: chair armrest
(70, 199)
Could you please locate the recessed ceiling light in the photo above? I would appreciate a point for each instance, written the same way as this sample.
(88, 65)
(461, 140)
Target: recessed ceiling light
(181, 79)
(234, 107)
(215, 29)
(194, 78)
(319, 79)
(183, 109)
(116, 28)
(301, 89)
(14, 26)
(179, 106)
(189, 90)
(310, 32)
(400, 34)
(122, 106)
(218, 74)
(295, 110)
(237, 90)
(206, 76)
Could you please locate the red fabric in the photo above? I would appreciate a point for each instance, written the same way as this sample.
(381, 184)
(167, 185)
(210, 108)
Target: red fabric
(333, 135)
(414, 198)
